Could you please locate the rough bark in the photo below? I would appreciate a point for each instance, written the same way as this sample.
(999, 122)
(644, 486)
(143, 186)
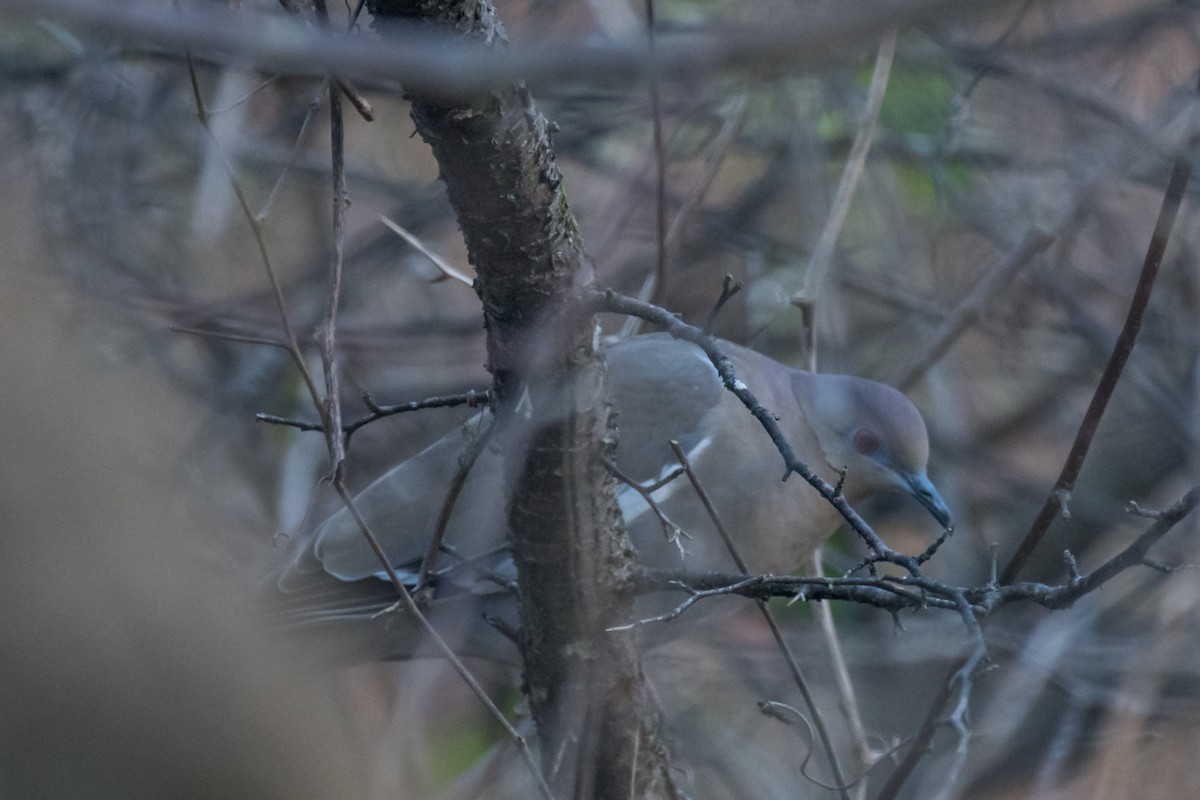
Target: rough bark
(573, 559)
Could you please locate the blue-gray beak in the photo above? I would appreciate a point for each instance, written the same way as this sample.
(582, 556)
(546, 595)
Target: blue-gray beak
(920, 487)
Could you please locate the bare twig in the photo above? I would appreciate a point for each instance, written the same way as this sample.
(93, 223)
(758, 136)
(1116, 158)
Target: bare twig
(472, 399)
(410, 605)
(673, 238)
(715, 156)
(789, 716)
(822, 733)
(212, 112)
(996, 63)
(729, 288)
(968, 309)
(923, 742)
(446, 268)
(822, 257)
(964, 678)
(845, 688)
(660, 169)
(1065, 484)
(229, 337)
(361, 104)
(331, 409)
(673, 533)
(466, 463)
(256, 229)
(294, 153)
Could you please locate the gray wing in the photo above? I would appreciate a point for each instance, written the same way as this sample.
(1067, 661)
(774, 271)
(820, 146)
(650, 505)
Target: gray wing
(402, 507)
(662, 389)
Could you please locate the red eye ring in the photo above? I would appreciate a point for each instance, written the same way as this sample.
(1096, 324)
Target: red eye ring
(867, 442)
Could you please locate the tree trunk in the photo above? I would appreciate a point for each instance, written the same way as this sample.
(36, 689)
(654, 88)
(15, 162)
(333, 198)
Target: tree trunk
(573, 559)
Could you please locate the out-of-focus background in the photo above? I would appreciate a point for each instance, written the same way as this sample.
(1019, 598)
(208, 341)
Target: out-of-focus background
(141, 505)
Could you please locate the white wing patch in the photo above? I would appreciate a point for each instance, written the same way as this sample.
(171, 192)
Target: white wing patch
(633, 505)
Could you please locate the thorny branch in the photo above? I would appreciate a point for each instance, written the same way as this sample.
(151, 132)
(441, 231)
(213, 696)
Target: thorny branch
(915, 593)
(620, 304)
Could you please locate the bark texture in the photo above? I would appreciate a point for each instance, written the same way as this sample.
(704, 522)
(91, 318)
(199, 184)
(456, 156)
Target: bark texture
(573, 559)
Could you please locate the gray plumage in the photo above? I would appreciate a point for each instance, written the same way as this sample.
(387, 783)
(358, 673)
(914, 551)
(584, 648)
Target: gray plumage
(662, 389)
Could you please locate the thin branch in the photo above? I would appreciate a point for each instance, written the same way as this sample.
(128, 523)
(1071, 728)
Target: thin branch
(789, 716)
(331, 410)
(998, 64)
(1035, 240)
(1059, 496)
(445, 267)
(294, 153)
(968, 309)
(713, 160)
(739, 111)
(923, 742)
(965, 680)
(212, 112)
(729, 288)
(256, 229)
(673, 533)
(694, 595)
(845, 687)
(1134, 554)
(361, 104)
(298, 424)
(472, 399)
(229, 337)
(877, 592)
(660, 170)
(466, 463)
(822, 257)
(790, 657)
(409, 604)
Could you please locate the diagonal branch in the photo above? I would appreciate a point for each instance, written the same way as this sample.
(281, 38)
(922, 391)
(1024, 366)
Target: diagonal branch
(822, 257)
(1059, 497)
(822, 732)
(620, 304)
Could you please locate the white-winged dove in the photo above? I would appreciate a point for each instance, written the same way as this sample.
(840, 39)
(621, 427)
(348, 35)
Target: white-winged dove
(663, 389)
